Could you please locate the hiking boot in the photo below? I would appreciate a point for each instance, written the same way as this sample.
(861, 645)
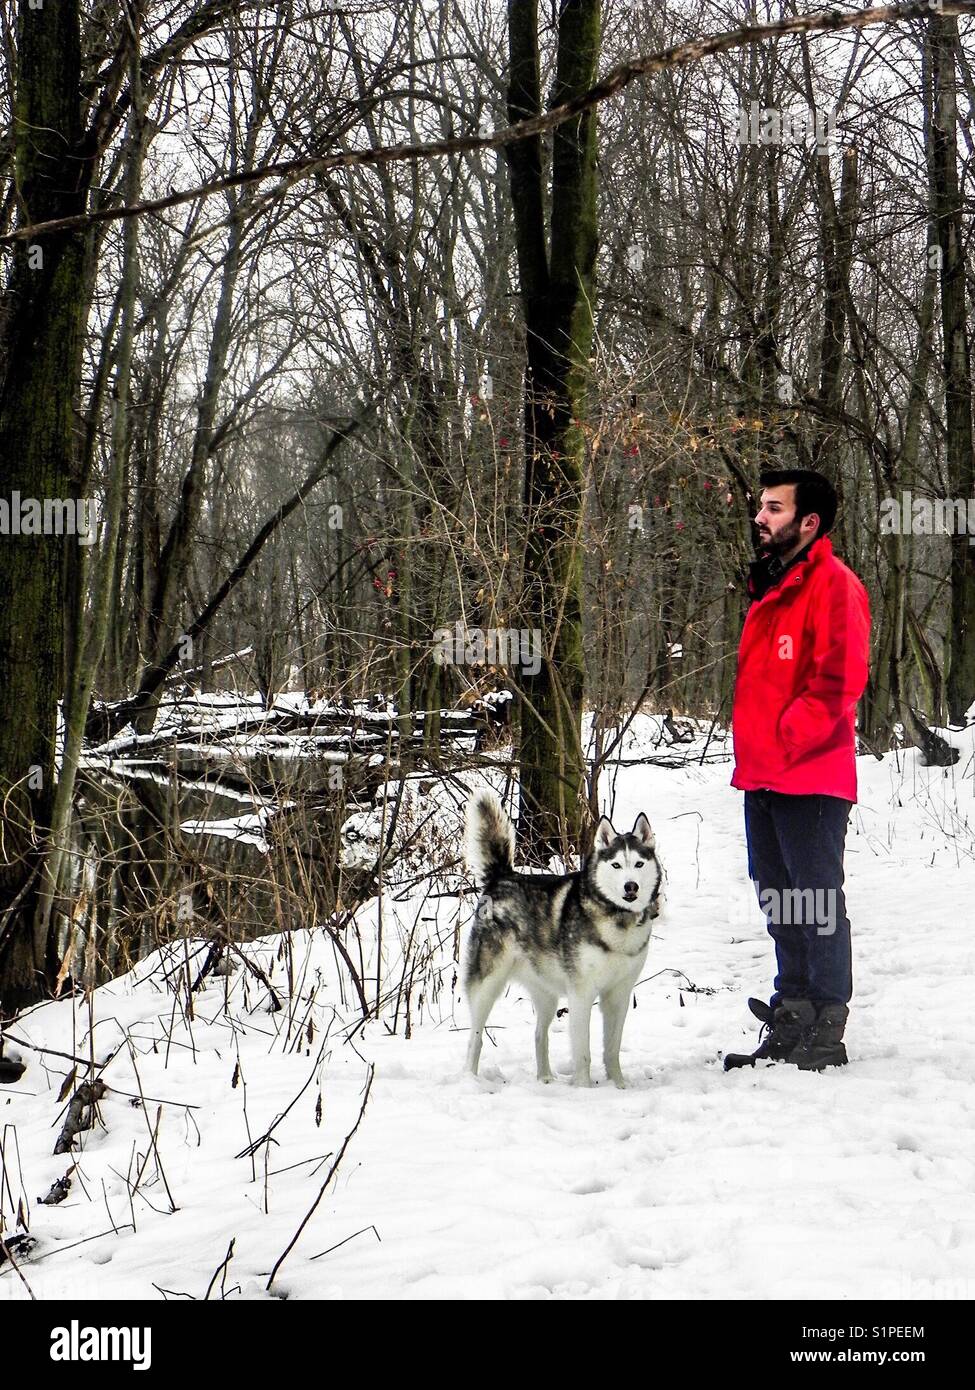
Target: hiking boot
(822, 1044)
(783, 1027)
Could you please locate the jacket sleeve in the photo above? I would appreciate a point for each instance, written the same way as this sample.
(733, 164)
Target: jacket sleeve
(841, 654)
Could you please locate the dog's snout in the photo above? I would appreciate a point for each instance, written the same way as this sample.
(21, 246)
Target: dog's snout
(631, 889)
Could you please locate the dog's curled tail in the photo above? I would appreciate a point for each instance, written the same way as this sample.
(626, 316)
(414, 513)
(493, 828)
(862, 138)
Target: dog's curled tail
(489, 838)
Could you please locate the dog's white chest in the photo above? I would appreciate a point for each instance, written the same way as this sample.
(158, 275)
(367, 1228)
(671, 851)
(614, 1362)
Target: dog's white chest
(598, 970)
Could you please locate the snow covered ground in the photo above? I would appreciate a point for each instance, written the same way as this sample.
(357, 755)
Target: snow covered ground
(692, 1183)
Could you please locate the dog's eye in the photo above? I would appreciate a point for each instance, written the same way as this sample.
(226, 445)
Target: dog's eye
(617, 866)
(639, 864)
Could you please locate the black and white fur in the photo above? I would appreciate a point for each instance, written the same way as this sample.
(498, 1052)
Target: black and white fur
(582, 936)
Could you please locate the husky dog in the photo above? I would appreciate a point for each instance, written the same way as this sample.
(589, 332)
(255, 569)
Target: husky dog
(582, 935)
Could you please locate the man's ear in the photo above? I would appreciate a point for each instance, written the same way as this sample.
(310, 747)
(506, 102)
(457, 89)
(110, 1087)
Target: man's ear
(642, 831)
(605, 834)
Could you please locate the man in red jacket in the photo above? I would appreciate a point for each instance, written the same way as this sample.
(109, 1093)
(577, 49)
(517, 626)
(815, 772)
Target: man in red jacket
(802, 667)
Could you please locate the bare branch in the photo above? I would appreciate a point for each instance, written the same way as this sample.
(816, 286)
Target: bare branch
(824, 22)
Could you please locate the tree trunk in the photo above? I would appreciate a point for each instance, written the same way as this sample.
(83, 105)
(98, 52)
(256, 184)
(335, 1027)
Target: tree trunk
(81, 670)
(946, 211)
(836, 231)
(43, 314)
(556, 293)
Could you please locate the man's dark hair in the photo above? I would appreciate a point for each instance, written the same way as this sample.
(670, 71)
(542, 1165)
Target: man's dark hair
(814, 493)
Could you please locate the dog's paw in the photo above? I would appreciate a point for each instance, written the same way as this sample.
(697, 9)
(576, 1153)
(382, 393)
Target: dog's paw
(492, 1074)
(485, 1080)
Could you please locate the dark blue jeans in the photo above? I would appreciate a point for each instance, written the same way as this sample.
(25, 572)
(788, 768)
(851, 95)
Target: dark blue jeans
(795, 860)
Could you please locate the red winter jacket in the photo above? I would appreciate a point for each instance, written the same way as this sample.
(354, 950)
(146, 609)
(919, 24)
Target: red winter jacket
(802, 667)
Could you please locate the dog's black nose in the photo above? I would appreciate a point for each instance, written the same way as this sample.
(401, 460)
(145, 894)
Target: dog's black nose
(630, 890)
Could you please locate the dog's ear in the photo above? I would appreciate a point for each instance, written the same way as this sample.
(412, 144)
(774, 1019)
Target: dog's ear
(642, 831)
(605, 834)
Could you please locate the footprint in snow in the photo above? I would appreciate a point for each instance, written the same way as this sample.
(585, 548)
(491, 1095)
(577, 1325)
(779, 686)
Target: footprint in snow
(590, 1186)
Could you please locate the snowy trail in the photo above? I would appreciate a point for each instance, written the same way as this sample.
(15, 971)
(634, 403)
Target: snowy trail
(692, 1183)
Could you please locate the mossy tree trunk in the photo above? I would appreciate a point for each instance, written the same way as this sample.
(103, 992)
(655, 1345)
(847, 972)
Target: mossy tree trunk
(42, 316)
(556, 260)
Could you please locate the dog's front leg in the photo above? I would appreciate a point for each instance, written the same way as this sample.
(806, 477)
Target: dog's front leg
(580, 1013)
(614, 1004)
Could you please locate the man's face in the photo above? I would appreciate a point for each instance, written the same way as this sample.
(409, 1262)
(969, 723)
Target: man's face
(779, 533)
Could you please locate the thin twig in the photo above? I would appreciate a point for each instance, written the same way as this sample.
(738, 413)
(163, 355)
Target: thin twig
(331, 1173)
(221, 1269)
(346, 1241)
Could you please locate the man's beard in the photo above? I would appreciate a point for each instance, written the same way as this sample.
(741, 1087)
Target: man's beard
(786, 539)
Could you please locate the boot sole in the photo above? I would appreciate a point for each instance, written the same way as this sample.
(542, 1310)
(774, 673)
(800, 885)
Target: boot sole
(736, 1060)
(821, 1063)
